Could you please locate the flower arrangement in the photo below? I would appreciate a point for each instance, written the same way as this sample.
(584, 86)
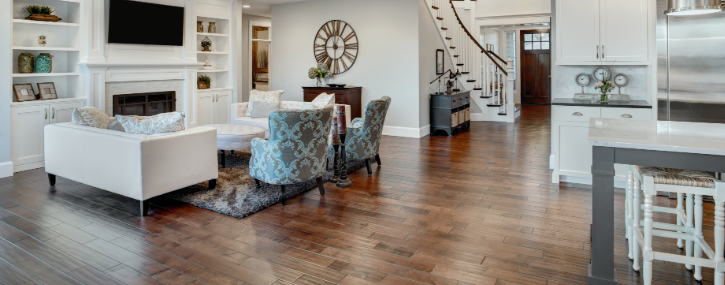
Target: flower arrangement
(206, 44)
(319, 72)
(606, 85)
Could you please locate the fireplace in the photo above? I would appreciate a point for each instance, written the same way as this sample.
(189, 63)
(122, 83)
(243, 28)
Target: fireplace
(144, 104)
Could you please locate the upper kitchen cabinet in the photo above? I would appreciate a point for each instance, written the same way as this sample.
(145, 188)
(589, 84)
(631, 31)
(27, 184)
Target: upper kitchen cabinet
(594, 31)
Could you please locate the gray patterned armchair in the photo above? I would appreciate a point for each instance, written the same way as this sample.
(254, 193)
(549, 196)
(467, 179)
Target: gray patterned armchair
(297, 148)
(363, 134)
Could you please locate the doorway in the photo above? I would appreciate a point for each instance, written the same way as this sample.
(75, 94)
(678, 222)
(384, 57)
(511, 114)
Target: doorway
(535, 67)
(261, 41)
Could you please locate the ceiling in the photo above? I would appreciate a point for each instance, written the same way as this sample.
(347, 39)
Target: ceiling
(263, 7)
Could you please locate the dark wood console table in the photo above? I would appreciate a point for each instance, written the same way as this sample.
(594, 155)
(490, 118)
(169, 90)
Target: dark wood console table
(448, 112)
(348, 95)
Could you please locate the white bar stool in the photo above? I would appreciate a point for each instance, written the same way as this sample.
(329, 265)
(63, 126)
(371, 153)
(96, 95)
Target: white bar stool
(690, 183)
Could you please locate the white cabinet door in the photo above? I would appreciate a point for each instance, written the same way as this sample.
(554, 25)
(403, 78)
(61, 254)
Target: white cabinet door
(27, 134)
(577, 35)
(574, 151)
(223, 105)
(61, 113)
(623, 30)
(205, 109)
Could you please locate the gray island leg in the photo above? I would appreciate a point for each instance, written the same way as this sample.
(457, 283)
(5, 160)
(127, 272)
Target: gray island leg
(601, 270)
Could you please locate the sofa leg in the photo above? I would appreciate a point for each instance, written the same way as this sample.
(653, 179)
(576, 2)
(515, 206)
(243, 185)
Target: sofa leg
(51, 179)
(377, 159)
(370, 168)
(321, 186)
(284, 197)
(224, 159)
(144, 207)
(212, 184)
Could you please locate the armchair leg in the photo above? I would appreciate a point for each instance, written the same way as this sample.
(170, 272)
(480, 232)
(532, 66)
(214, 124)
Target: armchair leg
(224, 159)
(321, 186)
(370, 169)
(144, 207)
(51, 179)
(256, 182)
(377, 159)
(284, 197)
(212, 184)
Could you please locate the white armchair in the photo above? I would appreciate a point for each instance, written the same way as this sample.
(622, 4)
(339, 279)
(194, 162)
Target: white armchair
(136, 166)
(239, 117)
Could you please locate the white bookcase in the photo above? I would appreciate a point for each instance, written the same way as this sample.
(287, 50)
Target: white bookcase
(219, 57)
(63, 42)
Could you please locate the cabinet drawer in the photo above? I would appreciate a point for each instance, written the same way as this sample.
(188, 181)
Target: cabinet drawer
(627, 113)
(575, 113)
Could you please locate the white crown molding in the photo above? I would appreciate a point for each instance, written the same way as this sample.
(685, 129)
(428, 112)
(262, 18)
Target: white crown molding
(141, 64)
(514, 16)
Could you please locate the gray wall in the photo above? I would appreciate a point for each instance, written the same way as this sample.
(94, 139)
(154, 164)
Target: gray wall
(246, 59)
(6, 52)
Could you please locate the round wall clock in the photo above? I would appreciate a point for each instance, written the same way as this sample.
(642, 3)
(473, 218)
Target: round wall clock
(621, 80)
(602, 73)
(583, 79)
(336, 45)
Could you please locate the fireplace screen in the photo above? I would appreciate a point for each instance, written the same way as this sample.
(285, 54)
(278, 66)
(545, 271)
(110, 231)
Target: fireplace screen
(144, 104)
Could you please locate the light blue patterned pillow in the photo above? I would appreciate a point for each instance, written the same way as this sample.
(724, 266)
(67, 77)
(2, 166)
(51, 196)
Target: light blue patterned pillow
(161, 123)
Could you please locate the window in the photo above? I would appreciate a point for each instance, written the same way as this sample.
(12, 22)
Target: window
(539, 41)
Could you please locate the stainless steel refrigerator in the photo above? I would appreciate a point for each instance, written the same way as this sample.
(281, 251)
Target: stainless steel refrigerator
(693, 47)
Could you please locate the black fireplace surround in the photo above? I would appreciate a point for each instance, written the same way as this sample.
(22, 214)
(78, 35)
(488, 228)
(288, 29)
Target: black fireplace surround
(144, 104)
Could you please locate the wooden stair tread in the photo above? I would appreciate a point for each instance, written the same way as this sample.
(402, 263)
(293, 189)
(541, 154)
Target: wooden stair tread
(448, 38)
(444, 28)
(459, 64)
(435, 7)
(502, 114)
(439, 18)
(465, 72)
(493, 105)
(471, 80)
(486, 97)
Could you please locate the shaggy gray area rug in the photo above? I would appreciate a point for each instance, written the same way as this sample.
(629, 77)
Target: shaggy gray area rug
(235, 194)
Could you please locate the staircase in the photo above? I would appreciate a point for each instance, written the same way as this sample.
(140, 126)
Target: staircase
(489, 77)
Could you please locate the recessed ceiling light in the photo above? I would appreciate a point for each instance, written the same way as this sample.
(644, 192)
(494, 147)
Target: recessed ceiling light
(245, 6)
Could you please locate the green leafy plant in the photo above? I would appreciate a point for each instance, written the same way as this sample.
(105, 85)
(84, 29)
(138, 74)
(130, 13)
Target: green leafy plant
(38, 9)
(205, 78)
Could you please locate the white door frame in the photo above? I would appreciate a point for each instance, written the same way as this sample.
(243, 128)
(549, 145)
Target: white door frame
(249, 54)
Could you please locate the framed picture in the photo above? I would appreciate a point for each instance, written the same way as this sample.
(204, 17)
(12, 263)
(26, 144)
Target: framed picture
(24, 92)
(440, 60)
(47, 91)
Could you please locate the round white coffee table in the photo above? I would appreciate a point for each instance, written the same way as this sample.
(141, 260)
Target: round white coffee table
(234, 137)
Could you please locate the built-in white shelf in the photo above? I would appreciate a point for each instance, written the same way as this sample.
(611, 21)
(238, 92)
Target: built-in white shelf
(17, 75)
(41, 102)
(29, 22)
(213, 52)
(214, 89)
(212, 70)
(212, 35)
(46, 48)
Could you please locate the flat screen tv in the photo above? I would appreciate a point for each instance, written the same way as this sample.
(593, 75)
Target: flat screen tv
(133, 22)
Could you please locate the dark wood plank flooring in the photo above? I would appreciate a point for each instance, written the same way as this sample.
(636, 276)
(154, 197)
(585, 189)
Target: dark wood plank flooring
(477, 208)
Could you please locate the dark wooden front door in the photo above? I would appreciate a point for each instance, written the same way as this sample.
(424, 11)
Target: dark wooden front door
(535, 67)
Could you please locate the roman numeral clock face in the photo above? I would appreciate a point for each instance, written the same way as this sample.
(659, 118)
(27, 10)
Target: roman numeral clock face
(336, 45)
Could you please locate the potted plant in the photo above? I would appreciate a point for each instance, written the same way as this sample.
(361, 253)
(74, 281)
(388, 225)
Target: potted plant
(40, 13)
(206, 44)
(204, 82)
(319, 72)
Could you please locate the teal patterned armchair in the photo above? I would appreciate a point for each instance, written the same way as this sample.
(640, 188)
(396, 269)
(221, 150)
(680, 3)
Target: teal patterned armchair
(297, 148)
(363, 134)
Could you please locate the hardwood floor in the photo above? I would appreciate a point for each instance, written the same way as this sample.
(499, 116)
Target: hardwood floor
(477, 208)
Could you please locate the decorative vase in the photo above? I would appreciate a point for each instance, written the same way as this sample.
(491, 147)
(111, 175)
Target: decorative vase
(26, 63)
(44, 63)
(603, 98)
(199, 27)
(319, 82)
(212, 27)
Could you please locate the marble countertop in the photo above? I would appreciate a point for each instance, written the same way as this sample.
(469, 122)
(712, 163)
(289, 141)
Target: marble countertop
(685, 137)
(588, 103)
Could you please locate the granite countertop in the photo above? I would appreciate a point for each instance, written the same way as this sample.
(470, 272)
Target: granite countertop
(588, 103)
(685, 137)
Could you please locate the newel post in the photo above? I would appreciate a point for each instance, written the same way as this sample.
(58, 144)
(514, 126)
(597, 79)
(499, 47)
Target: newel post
(510, 81)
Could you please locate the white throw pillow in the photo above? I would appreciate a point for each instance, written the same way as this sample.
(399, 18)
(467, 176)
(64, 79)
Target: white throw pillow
(91, 117)
(262, 96)
(157, 124)
(323, 100)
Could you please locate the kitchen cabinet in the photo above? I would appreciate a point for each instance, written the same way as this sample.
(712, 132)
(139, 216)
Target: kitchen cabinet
(594, 31)
(28, 120)
(571, 152)
(213, 107)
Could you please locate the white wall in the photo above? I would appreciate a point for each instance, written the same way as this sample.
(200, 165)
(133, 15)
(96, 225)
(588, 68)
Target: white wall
(429, 41)
(6, 52)
(246, 60)
(494, 8)
(388, 59)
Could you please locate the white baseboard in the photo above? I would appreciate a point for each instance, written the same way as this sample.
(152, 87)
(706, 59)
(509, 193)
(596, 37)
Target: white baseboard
(28, 166)
(406, 132)
(6, 169)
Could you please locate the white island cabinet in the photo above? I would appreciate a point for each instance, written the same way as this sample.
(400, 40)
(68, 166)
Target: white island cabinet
(571, 152)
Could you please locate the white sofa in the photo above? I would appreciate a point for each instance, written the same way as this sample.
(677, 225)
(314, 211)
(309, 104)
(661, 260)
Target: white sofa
(136, 166)
(239, 117)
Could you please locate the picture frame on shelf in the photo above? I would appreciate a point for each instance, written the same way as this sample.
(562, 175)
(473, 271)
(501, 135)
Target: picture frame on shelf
(24, 92)
(440, 62)
(47, 91)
